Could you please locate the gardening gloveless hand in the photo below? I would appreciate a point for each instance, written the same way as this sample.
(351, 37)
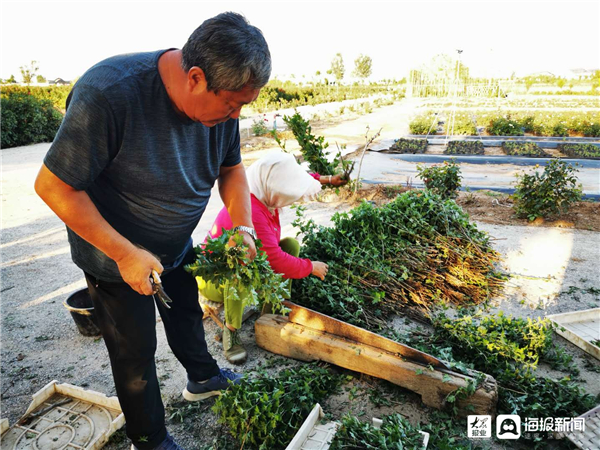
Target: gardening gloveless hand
(337, 180)
(136, 269)
(319, 269)
(248, 242)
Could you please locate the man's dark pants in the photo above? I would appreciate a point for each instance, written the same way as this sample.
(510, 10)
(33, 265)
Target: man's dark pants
(128, 324)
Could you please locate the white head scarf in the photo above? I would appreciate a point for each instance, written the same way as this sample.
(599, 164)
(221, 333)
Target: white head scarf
(277, 180)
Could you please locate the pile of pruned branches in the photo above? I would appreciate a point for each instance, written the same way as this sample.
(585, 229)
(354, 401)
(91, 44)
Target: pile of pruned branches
(412, 252)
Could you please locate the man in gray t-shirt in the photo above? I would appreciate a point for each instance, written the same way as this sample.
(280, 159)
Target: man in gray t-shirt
(130, 172)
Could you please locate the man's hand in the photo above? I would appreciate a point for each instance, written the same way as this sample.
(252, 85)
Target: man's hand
(248, 242)
(319, 269)
(136, 268)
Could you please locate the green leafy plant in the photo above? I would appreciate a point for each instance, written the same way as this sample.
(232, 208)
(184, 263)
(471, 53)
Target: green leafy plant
(580, 150)
(591, 129)
(414, 251)
(56, 94)
(560, 130)
(464, 148)
(509, 349)
(230, 267)
(265, 412)
(424, 124)
(409, 145)
(442, 180)
(313, 149)
(504, 126)
(523, 149)
(463, 125)
(395, 433)
(258, 127)
(27, 120)
(549, 193)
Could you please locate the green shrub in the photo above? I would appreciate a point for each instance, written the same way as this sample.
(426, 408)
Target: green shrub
(523, 149)
(313, 149)
(409, 145)
(395, 433)
(259, 128)
(27, 120)
(464, 148)
(442, 180)
(580, 150)
(265, 412)
(423, 125)
(463, 126)
(56, 94)
(501, 126)
(560, 130)
(591, 129)
(528, 124)
(550, 193)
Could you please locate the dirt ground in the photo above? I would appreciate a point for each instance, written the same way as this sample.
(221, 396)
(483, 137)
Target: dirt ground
(40, 342)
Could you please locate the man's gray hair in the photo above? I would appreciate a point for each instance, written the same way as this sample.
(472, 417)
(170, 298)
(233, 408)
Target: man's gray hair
(231, 52)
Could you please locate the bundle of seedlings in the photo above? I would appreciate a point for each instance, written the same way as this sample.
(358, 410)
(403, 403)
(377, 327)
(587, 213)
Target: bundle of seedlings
(510, 350)
(530, 149)
(313, 149)
(398, 258)
(464, 148)
(414, 146)
(230, 268)
(580, 150)
(395, 433)
(265, 412)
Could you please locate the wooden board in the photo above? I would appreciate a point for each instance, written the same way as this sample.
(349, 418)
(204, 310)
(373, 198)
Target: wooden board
(278, 335)
(318, 321)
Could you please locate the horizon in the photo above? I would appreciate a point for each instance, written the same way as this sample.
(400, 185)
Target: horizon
(555, 37)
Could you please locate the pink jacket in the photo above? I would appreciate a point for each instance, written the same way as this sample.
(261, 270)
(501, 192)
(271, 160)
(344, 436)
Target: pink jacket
(268, 230)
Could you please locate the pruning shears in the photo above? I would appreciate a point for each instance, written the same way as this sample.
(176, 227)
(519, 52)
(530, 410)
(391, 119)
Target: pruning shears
(159, 290)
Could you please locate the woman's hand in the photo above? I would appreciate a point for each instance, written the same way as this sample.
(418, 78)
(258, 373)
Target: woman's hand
(319, 269)
(333, 180)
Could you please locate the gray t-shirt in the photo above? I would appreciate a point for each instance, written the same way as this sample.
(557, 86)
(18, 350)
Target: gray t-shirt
(148, 170)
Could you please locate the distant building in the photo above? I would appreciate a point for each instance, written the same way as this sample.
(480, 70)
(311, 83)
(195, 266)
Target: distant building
(59, 82)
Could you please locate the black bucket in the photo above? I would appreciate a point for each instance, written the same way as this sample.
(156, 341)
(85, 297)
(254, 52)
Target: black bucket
(81, 308)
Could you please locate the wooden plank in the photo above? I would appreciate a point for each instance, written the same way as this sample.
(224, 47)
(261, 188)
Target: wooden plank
(278, 335)
(318, 321)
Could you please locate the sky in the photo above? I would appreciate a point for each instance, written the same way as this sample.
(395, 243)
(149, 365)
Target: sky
(497, 38)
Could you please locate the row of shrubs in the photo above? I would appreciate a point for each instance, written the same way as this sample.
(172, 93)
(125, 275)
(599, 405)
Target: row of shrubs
(278, 95)
(561, 124)
(512, 148)
(548, 193)
(27, 119)
(56, 94)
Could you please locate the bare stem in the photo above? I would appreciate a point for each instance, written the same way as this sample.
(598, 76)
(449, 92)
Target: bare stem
(368, 142)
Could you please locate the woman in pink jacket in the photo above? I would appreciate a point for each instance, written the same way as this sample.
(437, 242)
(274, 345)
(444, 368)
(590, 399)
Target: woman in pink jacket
(275, 181)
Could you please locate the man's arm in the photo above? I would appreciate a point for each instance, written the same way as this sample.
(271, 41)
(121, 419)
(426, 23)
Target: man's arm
(78, 212)
(234, 191)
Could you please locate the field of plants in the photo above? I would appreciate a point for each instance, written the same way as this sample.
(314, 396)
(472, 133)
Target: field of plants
(413, 267)
(419, 256)
(508, 123)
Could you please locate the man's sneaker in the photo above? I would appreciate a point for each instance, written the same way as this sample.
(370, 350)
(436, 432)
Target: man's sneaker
(232, 347)
(200, 390)
(168, 444)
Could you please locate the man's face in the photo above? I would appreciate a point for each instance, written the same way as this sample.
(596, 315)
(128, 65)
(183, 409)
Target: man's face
(209, 109)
